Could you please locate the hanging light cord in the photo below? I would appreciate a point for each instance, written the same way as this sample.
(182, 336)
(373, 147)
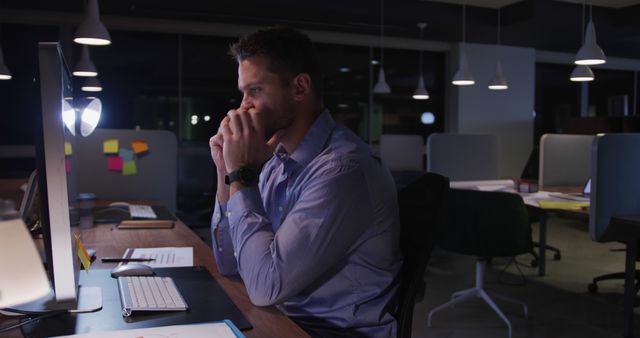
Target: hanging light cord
(584, 10)
(381, 33)
(464, 22)
(498, 26)
(421, 31)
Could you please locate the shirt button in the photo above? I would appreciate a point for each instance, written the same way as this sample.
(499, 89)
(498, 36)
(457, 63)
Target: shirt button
(228, 214)
(280, 209)
(235, 254)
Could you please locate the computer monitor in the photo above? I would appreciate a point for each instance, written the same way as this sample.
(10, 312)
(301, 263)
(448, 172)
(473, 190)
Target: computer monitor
(56, 184)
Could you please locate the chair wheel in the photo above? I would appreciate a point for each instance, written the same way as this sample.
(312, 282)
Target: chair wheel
(592, 287)
(557, 257)
(534, 263)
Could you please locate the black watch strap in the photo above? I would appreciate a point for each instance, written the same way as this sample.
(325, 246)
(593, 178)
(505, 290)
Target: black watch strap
(246, 175)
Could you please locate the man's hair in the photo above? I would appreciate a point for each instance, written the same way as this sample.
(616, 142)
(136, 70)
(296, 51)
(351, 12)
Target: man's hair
(288, 51)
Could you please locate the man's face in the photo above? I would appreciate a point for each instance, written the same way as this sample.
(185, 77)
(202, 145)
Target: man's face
(264, 93)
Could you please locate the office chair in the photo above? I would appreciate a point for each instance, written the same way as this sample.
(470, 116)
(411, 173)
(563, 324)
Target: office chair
(196, 184)
(484, 224)
(422, 206)
(615, 185)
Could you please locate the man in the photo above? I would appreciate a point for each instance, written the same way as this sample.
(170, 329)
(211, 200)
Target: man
(308, 218)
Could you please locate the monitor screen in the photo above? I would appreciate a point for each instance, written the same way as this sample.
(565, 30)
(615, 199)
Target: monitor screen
(54, 158)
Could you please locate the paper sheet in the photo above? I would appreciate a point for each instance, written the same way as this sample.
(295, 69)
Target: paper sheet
(127, 154)
(114, 163)
(110, 146)
(206, 330)
(68, 149)
(129, 168)
(165, 257)
(139, 146)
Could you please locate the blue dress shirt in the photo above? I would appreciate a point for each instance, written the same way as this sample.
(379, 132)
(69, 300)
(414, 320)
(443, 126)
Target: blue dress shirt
(318, 236)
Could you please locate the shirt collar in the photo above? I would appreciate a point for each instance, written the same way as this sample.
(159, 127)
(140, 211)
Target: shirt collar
(313, 141)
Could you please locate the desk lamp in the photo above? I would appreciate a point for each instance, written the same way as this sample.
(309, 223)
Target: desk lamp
(22, 275)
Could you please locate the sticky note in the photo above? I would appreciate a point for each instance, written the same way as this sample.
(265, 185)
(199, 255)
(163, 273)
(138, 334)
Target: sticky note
(126, 154)
(114, 163)
(83, 254)
(129, 168)
(139, 146)
(67, 165)
(67, 149)
(110, 146)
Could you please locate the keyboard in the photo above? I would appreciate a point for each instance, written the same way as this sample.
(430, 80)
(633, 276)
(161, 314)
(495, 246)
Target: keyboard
(149, 293)
(142, 211)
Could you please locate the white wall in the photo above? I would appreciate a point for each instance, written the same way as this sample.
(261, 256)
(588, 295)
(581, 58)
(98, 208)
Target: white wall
(508, 113)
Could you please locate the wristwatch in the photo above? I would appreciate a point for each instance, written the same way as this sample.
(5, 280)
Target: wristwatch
(246, 175)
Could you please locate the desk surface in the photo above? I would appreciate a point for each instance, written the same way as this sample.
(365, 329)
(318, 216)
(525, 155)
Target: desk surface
(107, 240)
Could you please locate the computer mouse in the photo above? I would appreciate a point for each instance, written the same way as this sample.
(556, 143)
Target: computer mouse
(119, 205)
(132, 269)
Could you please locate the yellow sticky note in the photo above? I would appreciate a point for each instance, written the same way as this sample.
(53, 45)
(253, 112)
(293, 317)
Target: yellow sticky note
(129, 168)
(67, 149)
(85, 259)
(110, 146)
(139, 146)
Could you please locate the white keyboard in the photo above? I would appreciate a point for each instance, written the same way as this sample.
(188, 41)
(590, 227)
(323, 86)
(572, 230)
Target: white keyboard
(149, 293)
(142, 211)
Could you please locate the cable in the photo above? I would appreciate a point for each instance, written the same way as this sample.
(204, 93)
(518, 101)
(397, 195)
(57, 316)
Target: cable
(30, 320)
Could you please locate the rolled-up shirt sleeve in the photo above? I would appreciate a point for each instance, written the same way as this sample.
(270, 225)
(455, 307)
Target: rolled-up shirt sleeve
(222, 245)
(328, 217)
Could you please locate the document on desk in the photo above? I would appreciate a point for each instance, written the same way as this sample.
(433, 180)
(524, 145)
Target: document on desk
(224, 329)
(165, 257)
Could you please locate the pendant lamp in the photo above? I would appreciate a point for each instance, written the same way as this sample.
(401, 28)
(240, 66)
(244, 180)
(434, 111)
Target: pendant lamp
(421, 92)
(92, 31)
(91, 84)
(85, 67)
(582, 73)
(498, 82)
(5, 73)
(590, 53)
(381, 86)
(463, 76)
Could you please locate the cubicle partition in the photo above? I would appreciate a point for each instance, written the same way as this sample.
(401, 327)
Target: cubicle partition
(120, 164)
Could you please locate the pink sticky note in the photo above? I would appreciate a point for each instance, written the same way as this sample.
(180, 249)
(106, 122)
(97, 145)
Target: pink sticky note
(115, 163)
(67, 165)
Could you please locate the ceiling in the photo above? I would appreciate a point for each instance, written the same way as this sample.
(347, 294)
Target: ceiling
(542, 24)
(503, 3)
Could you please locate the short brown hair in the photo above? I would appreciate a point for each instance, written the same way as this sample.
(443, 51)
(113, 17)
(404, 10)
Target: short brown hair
(288, 51)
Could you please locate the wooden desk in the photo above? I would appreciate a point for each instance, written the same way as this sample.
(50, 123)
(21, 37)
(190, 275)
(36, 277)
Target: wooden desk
(110, 241)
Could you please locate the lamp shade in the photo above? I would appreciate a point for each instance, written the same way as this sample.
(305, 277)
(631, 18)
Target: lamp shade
(23, 278)
(463, 76)
(381, 87)
(91, 84)
(421, 92)
(590, 53)
(498, 82)
(90, 117)
(91, 30)
(85, 66)
(5, 73)
(582, 73)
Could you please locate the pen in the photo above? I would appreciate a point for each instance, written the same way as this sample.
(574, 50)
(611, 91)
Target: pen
(120, 259)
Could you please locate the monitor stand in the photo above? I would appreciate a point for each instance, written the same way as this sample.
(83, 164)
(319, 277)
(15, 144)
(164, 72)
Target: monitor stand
(89, 300)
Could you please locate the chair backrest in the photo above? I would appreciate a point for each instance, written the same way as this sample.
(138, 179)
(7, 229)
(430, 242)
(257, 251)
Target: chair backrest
(402, 152)
(486, 224)
(196, 176)
(463, 157)
(615, 182)
(156, 169)
(422, 206)
(564, 159)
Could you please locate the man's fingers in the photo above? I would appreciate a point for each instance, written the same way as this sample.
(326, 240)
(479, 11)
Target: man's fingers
(235, 123)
